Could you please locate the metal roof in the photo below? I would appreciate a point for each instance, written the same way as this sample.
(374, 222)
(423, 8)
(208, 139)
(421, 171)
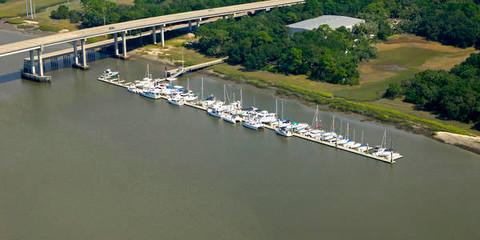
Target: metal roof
(333, 21)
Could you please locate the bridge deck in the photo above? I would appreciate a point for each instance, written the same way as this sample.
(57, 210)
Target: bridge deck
(36, 43)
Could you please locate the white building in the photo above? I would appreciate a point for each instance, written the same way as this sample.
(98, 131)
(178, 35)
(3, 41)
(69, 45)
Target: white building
(333, 21)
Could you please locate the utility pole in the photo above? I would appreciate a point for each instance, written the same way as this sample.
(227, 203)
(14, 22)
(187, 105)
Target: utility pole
(26, 6)
(104, 22)
(31, 10)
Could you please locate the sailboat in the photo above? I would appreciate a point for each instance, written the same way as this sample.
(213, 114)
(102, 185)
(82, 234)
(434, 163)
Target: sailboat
(316, 132)
(146, 81)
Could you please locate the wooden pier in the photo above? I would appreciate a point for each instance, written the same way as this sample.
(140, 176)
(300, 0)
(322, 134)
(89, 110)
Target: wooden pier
(125, 84)
(182, 70)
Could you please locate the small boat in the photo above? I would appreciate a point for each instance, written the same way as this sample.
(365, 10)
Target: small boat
(231, 118)
(355, 145)
(214, 112)
(284, 131)
(176, 101)
(189, 96)
(252, 124)
(152, 93)
(134, 89)
(108, 74)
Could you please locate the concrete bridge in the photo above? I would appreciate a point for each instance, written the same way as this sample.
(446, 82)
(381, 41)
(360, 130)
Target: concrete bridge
(193, 17)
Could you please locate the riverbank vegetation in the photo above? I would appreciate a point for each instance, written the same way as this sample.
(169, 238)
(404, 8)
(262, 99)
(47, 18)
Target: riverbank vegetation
(452, 95)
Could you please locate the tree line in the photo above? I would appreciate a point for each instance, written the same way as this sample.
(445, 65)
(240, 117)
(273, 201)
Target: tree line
(453, 95)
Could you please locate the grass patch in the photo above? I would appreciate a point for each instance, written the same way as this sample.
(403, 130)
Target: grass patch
(45, 27)
(15, 21)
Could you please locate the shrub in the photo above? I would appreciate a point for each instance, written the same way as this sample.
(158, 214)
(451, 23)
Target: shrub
(60, 13)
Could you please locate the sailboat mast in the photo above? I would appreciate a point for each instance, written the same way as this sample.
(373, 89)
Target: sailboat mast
(341, 126)
(224, 94)
(332, 128)
(188, 84)
(362, 136)
(316, 117)
(282, 109)
(241, 98)
(348, 130)
(276, 107)
(202, 87)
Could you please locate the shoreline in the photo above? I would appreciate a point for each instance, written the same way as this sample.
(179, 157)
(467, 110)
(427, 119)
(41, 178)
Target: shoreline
(466, 142)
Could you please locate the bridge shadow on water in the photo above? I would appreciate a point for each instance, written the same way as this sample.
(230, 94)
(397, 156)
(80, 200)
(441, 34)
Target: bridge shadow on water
(10, 77)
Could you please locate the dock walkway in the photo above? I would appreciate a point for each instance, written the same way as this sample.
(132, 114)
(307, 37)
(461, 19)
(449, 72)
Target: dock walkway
(182, 70)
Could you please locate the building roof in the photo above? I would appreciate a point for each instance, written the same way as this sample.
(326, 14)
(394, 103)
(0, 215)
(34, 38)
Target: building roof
(333, 21)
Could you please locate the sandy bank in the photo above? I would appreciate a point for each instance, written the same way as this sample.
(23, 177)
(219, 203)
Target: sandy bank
(466, 142)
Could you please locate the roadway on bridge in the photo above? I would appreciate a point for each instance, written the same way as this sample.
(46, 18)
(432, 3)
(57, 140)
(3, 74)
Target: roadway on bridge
(36, 43)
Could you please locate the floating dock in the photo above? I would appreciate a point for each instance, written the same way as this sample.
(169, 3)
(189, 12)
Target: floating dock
(125, 84)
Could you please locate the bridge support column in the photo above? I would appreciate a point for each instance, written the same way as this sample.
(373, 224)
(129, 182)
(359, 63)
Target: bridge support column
(124, 43)
(40, 62)
(32, 76)
(190, 26)
(162, 28)
(115, 38)
(75, 54)
(154, 35)
(32, 62)
(84, 55)
(198, 22)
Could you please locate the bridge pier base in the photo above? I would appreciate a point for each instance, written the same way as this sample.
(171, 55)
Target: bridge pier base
(29, 73)
(84, 65)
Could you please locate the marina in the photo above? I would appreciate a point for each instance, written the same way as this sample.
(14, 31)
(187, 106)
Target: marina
(252, 118)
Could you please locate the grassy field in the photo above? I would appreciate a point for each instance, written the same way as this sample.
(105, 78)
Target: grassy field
(14, 8)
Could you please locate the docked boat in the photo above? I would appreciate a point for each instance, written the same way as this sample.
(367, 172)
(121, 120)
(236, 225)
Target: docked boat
(108, 74)
(176, 101)
(266, 117)
(231, 118)
(284, 131)
(189, 96)
(253, 124)
(152, 93)
(214, 112)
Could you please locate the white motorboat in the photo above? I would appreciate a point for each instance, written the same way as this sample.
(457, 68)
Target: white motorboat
(214, 112)
(253, 124)
(152, 93)
(177, 101)
(266, 117)
(189, 96)
(231, 118)
(284, 131)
